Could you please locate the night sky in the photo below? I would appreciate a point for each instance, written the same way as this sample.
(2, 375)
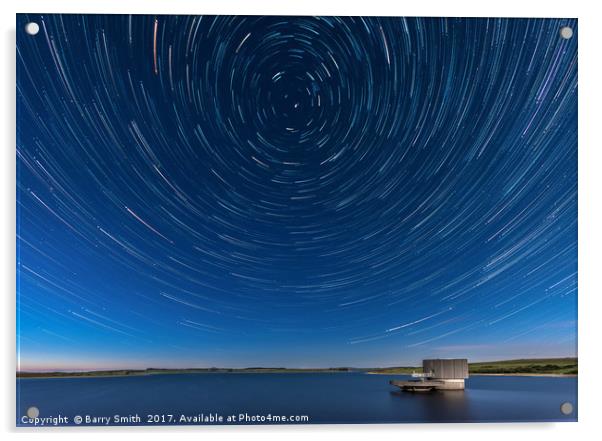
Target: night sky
(294, 191)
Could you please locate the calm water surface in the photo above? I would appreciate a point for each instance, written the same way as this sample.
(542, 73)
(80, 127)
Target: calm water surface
(322, 397)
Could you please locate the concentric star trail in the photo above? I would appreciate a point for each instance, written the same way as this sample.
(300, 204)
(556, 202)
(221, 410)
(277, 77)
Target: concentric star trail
(307, 191)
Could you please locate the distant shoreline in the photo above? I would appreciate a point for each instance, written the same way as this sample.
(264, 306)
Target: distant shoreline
(545, 367)
(491, 374)
(148, 372)
(45, 375)
(525, 375)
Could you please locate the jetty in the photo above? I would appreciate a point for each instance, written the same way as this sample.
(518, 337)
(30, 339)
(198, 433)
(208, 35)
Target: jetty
(437, 374)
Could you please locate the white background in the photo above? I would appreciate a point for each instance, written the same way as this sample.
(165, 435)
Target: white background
(590, 261)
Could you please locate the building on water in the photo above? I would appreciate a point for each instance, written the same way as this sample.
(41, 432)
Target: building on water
(437, 374)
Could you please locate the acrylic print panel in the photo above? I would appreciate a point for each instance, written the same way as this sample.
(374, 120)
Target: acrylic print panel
(295, 220)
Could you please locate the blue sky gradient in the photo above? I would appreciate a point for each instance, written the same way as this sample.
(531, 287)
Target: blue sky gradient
(294, 191)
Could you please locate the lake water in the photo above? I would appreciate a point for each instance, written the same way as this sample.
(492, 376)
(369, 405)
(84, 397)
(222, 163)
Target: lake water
(266, 398)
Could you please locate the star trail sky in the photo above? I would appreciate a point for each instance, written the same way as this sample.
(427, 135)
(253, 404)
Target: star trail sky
(294, 191)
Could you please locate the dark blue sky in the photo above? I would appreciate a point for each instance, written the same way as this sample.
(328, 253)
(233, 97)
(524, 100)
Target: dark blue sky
(294, 191)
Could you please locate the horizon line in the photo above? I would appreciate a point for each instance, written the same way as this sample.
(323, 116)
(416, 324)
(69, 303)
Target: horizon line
(282, 367)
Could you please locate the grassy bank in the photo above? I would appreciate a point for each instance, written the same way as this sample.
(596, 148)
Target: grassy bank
(535, 366)
(557, 366)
